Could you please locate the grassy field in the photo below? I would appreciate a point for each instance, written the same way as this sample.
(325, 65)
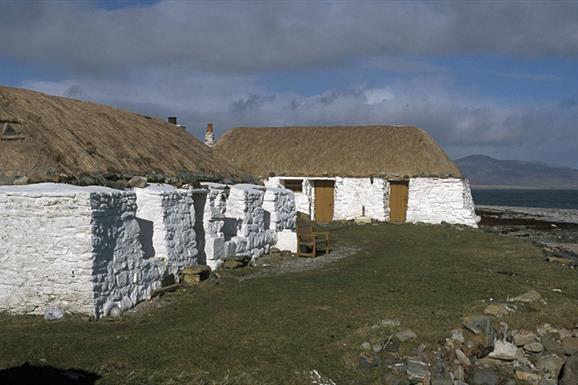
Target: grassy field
(273, 330)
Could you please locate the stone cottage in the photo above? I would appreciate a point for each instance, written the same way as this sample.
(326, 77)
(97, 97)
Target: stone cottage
(387, 173)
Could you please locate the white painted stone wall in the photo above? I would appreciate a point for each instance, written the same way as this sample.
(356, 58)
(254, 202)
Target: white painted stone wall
(279, 203)
(435, 200)
(73, 247)
(167, 218)
(351, 195)
(302, 199)
(355, 195)
(213, 223)
(245, 207)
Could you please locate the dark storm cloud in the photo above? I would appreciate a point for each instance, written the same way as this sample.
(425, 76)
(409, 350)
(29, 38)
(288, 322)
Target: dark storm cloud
(255, 36)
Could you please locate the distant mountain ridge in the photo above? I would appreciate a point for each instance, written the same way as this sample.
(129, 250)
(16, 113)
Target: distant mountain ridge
(485, 171)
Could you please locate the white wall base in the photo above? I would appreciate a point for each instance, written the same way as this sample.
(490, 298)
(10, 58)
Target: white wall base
(287, 240)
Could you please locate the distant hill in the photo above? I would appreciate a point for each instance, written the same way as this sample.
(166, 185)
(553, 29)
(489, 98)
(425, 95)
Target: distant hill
(485, 171)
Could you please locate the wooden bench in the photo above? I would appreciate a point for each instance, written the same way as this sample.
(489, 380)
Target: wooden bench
(309, 241)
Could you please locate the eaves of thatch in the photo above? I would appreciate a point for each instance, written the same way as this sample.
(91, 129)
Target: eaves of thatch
(395, 152)
(52, 138)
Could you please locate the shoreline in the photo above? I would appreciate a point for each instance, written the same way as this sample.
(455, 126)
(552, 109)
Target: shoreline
(536, 213)
(554, 229)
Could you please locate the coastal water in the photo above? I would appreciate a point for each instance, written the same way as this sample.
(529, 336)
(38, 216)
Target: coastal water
(558, 199)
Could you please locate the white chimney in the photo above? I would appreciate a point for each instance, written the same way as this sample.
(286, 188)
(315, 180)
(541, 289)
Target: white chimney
(209, 135)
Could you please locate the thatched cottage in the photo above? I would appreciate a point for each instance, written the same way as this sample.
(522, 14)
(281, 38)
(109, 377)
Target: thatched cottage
(387, 173)
(91, 249)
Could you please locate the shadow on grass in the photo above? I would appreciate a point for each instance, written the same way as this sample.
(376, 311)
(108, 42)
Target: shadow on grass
(40, 375)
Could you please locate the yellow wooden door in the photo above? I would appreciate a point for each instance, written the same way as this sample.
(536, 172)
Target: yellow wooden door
(324, 199)
(398, 194)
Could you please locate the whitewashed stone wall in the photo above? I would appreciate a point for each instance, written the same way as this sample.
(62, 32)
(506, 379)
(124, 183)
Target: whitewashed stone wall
(355, 195)
(434, 200)
(351, 196)
(213, 223)
(280, 204)
(245, 207)
(302, 199)
(167, 219)
(73, 247)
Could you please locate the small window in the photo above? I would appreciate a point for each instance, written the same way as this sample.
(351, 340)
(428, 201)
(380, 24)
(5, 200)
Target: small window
(9, 131)
(295, 185)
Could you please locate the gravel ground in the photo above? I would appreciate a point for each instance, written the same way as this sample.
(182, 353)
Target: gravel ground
(273, 266)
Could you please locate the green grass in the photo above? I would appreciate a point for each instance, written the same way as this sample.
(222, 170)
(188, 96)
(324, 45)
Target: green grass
(272, 329)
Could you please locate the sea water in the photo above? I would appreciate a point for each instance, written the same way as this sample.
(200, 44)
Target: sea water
(558, 199)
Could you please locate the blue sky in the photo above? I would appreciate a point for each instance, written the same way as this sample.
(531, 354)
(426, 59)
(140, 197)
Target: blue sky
(498, 78)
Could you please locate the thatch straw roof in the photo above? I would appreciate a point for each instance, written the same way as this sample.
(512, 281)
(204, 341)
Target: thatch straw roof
(359, 151)
(69, 138)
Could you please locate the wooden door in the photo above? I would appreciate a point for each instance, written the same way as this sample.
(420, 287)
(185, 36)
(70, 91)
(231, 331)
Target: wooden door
(398, 194)
(324, 199)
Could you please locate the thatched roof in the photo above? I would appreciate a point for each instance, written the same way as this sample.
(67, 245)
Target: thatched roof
(66, 138)
(358, 151)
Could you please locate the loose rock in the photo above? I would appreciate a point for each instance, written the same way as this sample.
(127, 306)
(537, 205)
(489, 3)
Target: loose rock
(458, 336)
(523, 337)
(551, 345)
(550, 365)
(529, 297)
(138, 181)
(417, 369)
(570, 345)
(53, 313)
(461, 356)
(534, 347)
(498, 309)
(569, 374)
(405, 335)
(21, 181)
(483, 376)
(504, 351)
(528, 377)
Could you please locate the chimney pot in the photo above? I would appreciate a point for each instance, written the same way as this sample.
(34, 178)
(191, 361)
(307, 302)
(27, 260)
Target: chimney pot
(209, 135)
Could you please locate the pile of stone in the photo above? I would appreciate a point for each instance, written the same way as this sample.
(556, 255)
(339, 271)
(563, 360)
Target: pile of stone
(485, 351)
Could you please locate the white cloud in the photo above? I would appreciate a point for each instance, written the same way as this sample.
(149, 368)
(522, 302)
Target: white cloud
(378, 95)
(459, 123)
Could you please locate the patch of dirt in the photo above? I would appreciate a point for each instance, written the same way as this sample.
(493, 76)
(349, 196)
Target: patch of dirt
(273, 265)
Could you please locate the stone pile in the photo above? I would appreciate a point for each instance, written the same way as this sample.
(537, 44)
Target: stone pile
(484, 351)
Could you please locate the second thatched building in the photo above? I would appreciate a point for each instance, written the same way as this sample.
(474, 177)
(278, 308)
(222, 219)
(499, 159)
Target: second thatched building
(386, 173)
